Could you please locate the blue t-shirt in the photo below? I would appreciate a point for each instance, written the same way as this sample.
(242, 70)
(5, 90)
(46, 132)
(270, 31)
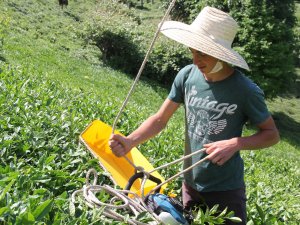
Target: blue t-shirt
(216, 111)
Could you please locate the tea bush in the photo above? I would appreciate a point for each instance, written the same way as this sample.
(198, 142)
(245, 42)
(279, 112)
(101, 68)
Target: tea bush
(123, 46)
(166, 60)
(117, 41)
(117, 47)
(41, 162)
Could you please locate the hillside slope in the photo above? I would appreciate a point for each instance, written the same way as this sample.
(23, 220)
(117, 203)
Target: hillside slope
(53, 84)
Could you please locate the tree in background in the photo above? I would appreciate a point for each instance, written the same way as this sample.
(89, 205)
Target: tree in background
(266, 37)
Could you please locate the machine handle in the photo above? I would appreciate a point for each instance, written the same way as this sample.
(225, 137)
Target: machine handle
(141, 175)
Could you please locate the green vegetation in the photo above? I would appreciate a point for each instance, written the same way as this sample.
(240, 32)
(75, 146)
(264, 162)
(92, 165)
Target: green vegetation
(53, 84)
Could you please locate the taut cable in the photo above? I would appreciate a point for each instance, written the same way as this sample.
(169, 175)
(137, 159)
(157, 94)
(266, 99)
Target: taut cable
(140, 72)
(143, 64)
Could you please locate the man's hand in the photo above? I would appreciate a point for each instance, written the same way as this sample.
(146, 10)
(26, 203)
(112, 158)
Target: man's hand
(119, 144)
(220, 152)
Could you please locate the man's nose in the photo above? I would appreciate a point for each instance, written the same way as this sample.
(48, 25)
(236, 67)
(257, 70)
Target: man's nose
(197, 57)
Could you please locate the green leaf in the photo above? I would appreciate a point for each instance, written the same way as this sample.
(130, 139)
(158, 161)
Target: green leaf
(141, 215)
(43, 209)
(50, 159)
(250, 222)
(6, 189)
(214, 209)
(260, 212)
(3, 210)
(27, 219)
(223, 212)
(235, 219)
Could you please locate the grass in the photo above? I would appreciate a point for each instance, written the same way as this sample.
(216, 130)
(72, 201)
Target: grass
(58, 85)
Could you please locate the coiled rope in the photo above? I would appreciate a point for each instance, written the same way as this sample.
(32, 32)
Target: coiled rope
(134, 204)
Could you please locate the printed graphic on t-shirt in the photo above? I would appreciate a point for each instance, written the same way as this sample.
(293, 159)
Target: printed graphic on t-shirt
(205, 115)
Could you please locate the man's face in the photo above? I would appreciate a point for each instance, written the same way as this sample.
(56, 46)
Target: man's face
(204, 62)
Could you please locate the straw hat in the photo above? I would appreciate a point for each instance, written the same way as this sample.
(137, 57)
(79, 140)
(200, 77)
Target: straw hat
(212, 33)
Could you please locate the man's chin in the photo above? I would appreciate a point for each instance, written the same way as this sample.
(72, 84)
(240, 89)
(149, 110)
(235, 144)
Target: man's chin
(202, 69)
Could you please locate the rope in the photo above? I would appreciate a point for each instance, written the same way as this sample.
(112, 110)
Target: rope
(180, 173)
(139, 75)
(143, 64)
(176, 175)
(135, 204)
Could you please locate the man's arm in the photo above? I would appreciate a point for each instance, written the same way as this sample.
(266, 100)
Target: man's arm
(121, 145)
(221, 151)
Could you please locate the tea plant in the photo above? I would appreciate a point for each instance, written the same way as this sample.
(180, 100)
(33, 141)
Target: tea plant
(41, 161)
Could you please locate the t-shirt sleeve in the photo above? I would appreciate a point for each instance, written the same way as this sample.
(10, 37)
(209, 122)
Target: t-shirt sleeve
(255, 106)
(177, 90)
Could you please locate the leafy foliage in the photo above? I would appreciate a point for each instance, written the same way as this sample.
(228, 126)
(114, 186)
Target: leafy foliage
(267, 197)
(124, 46)
(118, 42)
(266, 38)
(52, 87)
(40, 160)
(41, 163)
(214, 216)
(167, 59)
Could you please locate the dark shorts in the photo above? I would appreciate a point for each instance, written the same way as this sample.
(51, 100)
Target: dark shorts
(234, 200)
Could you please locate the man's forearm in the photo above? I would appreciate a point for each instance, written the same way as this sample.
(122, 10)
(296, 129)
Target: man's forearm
(148, 129)
(262, 139)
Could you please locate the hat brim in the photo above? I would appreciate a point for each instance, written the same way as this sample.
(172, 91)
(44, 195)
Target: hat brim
(186, 35)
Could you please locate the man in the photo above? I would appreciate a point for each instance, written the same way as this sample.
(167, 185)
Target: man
(218, 101)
